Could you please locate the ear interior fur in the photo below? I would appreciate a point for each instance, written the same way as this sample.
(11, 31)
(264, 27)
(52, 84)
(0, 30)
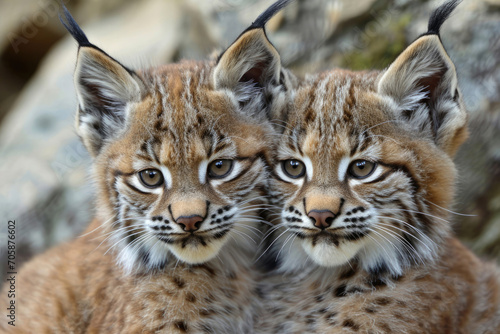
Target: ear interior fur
(250, 64)
(104, 88)
(423, 83)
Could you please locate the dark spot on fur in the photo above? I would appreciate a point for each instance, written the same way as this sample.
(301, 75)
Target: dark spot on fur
(259, 292)
(382, 301)
(370, 310)
(351, 324)
(178, 281)
(376, 282)
(320, 298)
(350, 272)
(181, 325)
(332, 318)
(190, 297)
(340, 291)
(158, 124)
(206, 312)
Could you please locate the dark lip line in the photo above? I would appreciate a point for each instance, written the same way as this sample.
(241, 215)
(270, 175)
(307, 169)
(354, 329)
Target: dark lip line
(174, 234)
(295, 228)
(318, 230)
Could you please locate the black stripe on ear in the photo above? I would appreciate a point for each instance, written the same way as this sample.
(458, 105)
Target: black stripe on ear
(74, 29)
(440, 15)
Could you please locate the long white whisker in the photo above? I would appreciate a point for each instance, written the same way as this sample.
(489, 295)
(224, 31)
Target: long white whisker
(404, 231)
(272, 243)
(409, 225)
(283, 246)
(453, 212)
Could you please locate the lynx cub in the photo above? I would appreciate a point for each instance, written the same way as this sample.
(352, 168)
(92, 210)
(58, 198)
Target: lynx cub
(365, 173)
(179, 159)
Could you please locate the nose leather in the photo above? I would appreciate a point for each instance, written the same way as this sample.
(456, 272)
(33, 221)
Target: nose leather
(321, 218)
(190, 223)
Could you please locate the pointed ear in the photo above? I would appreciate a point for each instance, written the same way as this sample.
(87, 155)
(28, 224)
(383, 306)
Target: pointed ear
(249, 65)
(423, 83)
(104, 88)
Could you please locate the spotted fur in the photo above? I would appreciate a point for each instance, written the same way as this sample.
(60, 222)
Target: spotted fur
(374, 252)
(175, 255)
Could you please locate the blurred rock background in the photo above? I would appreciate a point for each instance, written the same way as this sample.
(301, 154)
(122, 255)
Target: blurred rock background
(44, 170)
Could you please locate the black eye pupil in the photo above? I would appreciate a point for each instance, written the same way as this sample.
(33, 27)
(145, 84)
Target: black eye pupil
(219, 164)
(361, 169)
(151, 178)
(294, 164)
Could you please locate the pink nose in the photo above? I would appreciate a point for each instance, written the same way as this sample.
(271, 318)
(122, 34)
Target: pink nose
(321, 218)
(189, 223)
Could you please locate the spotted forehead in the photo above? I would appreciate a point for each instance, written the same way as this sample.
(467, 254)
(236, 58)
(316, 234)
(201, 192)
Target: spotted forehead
(182, 116)
(332, 116)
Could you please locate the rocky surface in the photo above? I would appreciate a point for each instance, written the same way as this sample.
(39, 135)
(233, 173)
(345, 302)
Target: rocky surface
(44, 170)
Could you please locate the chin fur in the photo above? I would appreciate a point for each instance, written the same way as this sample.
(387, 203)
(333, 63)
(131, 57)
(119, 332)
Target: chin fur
(197, 253)
(328, 255)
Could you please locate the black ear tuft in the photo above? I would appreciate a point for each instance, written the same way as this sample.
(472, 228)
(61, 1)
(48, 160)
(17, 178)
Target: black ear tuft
(261, 21)
(440, 15)
(74, 29)
(263, 18)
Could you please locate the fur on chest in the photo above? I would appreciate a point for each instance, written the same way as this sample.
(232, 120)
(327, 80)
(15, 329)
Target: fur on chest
(185, 299)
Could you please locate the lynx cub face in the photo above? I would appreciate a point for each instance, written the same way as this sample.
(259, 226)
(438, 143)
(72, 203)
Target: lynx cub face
(364, 165)
(180, 149)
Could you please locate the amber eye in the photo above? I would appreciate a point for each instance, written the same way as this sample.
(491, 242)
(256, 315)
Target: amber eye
(218, 169)
(361, 169)
(151, 178)
(293, 168)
